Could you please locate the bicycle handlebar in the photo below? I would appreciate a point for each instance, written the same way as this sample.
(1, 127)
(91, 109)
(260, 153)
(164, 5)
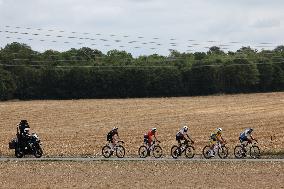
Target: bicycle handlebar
(253, 141)
(156, 141)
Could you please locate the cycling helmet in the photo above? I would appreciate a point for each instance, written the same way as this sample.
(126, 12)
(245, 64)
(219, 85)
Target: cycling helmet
(115, 128)
(250, 130)
(219, 130)
(185, 128)
(154, 129)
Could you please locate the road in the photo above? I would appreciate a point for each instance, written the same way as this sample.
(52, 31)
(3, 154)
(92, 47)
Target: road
(88, 159)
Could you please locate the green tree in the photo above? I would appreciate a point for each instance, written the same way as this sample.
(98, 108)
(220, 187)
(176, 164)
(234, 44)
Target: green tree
(239, 75)
(265, 69)
(7, 85)
(116, 57)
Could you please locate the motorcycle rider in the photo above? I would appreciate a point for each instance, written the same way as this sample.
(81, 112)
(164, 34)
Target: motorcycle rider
(182, 135)
(22, 125)
(24, 135)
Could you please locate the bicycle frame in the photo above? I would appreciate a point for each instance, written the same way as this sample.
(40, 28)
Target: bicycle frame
(219, 146)
(151, 148)
(184, 145)
(115, 144)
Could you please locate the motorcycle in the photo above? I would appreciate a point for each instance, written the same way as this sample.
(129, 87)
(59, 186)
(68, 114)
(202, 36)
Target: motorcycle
(30, 146)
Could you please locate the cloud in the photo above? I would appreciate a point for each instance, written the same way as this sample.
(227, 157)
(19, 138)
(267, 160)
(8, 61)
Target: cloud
(202, 20)
(267, 23)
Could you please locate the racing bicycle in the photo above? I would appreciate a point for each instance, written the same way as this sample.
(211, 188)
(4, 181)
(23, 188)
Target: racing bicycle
(118, 149)
(185, 148)
(252, 149)
(220, 148)
(155, 149)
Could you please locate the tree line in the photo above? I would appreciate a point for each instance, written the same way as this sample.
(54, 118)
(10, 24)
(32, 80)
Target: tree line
(89, 73)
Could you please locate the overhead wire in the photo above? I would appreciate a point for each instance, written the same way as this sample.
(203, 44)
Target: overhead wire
(223, 46)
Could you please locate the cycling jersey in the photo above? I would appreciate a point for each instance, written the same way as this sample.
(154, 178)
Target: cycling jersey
(148, 136)
(214, 136)
(111, 134)
(181, 132)
(245, 135)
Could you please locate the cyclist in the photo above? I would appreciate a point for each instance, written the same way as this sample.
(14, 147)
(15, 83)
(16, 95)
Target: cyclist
(148, 137)
(246, 138)
(215, 137)
(111, 136)
(182, 135)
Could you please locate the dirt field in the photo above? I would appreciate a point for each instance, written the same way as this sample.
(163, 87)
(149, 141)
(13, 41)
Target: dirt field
(79, 127)
(142, 175)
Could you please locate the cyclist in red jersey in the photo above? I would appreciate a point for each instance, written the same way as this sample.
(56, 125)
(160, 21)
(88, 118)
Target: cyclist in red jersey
(148, 137)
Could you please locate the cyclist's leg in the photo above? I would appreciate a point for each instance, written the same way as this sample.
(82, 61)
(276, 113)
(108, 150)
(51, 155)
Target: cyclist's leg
(244, 142)
(178, 139)
(146, 140)
(213, 144)
(112, 143)
(109, 140)
(150, 142)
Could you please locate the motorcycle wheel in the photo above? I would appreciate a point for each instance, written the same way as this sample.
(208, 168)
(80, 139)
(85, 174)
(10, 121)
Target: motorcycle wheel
(37, 151)
(18, 152)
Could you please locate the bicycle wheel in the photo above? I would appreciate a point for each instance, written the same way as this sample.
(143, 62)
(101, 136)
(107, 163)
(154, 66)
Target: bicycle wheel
(106, 151)
(175, 151)
(223, 152)
(206, 152)
(143, 151)
(157, 152)
(189, 152)
(255, 152)
(239, 152)
(120, 151)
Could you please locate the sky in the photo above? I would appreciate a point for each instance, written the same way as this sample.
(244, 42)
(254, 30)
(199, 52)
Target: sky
(142, 27)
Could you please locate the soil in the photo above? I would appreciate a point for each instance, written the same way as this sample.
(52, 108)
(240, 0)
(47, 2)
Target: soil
(147, 174)
(79, 127)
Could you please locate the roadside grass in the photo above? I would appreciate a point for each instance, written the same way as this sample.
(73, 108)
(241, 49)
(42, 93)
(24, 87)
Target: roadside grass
(273, 153)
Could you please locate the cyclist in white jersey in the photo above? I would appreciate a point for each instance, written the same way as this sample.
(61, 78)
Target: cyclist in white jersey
(182, 135)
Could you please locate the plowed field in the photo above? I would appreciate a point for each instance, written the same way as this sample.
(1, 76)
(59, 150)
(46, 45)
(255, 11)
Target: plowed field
(79, 127)
(146, 174)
